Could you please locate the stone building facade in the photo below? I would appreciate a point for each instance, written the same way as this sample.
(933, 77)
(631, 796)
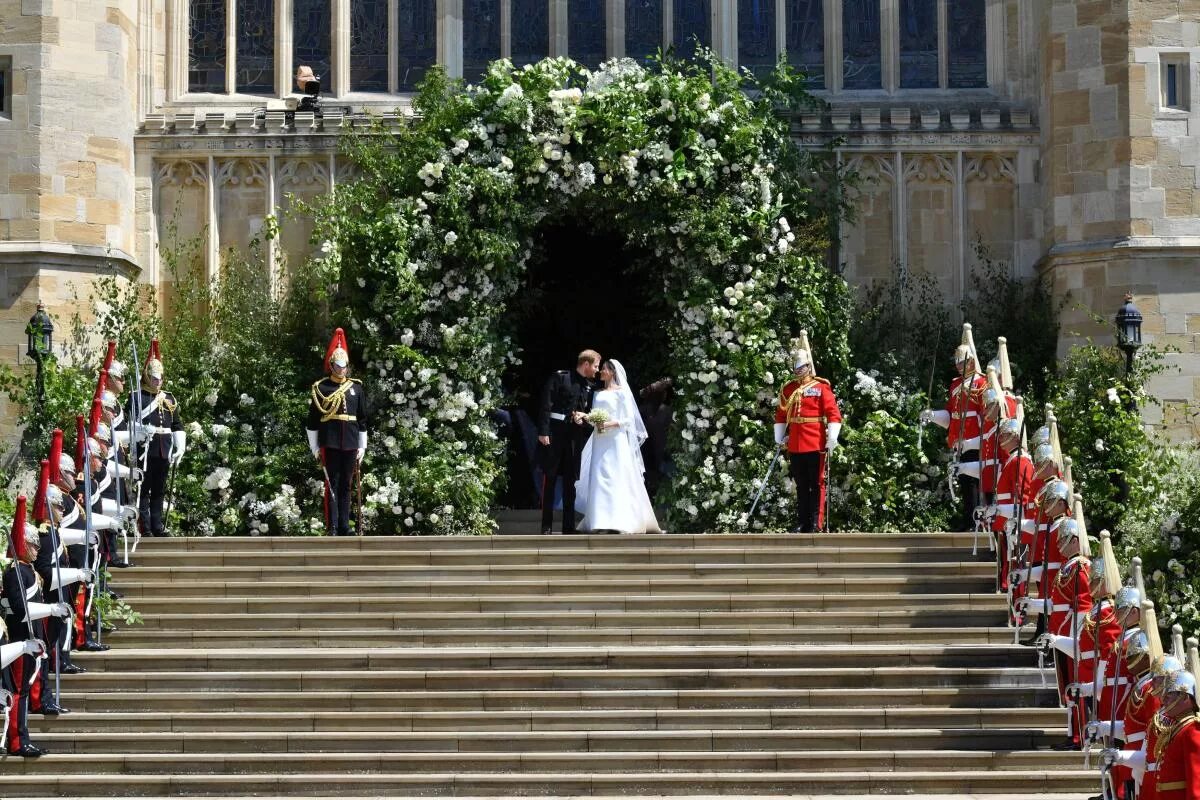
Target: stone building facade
(1061, 135)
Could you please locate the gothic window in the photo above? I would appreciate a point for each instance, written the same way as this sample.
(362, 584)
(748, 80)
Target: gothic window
(756, 35)
(967, 32)
(310, 36)
(585, 31)
(206, 45)
(693, 26)
(255, 46)
(530, 31)
(416, 41)
(643, 28)
(861, 56)
(806, 38)
(368, 46)
(481, 36)
(919, 44)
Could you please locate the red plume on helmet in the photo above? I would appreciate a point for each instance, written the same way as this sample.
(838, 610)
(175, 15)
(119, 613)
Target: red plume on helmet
(80, 441)
(16, 540)
(153, 353)
(41, 509)
(110, 355)
(338, 342)
(56, 449)
(101, 382)
(94, 421)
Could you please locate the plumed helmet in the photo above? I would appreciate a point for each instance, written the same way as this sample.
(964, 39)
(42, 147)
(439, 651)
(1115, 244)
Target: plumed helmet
(1010, 429)
(31, 535)
(1068, 530)
(109, 401)
(337, 354)
(801, 358)
(118, 370)
(1128, 597)
(56, 498)
(154, 369)
(103, 434)
(962, 354)
(1055, 490)
(1181, 682)
(1043, 454)
(1040, 436)
(1166, 665)
(1137, 645)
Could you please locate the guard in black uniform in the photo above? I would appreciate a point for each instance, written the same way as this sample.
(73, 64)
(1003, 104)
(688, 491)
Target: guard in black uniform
(165, 443)
(566, 400)
(24, 612)
(338, 418)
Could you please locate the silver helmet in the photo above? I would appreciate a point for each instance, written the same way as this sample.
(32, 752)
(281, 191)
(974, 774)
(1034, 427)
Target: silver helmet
(1128, 597)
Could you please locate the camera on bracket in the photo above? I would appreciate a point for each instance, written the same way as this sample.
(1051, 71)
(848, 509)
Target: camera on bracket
(309, 86)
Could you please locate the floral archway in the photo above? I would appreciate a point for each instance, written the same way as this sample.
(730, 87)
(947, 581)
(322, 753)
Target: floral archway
(429, 245)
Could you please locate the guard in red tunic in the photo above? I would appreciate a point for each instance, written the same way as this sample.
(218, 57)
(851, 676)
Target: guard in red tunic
(807, 424)
(962, 418)
(1178, 752)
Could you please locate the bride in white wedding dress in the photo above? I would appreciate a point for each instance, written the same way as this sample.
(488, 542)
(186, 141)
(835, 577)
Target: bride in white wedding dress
(610, 489)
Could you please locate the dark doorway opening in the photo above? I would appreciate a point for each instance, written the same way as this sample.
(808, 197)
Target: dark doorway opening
(585, 287)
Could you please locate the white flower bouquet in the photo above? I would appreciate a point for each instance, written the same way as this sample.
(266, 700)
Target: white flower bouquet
(597, 418)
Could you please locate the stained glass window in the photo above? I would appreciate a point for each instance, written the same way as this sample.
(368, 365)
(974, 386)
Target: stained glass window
(369, 46)
(968, 44)
(206, 46)
(416, 41)
(756, 35)
(530, 31)
(643, 28)
(806, 39)
(693, 22)
(585, 31)
(256, 46)
(861, 64)
(919, 44)
(310, 37)
(481, 36)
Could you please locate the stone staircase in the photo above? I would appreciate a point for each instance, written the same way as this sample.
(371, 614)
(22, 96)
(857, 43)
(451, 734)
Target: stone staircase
(586, 665)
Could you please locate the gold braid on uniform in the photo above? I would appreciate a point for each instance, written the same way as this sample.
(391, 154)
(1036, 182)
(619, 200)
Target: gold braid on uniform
(335, 403)
(166, 403)
(1167, 733)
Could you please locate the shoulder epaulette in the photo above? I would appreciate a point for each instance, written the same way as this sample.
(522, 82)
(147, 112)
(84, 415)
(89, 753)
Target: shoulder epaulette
(822, 380)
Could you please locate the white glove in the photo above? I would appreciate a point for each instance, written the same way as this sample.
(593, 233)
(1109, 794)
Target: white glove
(780, 432)
(970, 444)
(60, 610)
(6, 698)
(362, 445)
(968, 468)
(179, 446)
(939, 417)
(834, 429)
(87, 575)
(34, 647)
(312, 443)
(11, 652)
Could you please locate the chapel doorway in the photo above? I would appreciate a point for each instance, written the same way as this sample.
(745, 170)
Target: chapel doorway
(584, 287)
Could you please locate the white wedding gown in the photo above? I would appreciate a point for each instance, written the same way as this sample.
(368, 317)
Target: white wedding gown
(610, 490)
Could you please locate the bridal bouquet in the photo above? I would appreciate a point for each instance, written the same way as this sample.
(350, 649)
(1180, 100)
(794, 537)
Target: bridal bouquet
(597, 418)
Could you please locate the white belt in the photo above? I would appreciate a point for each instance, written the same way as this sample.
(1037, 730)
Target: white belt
(1135, 737)
(1117, 682)
(155, 430)
(1152, 767)
(1054, 565)
(1061, 607)
(1005, 496)
(1088, 654)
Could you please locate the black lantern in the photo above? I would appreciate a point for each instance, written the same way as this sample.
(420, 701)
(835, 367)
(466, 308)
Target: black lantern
(40, 338)
(1129, 331)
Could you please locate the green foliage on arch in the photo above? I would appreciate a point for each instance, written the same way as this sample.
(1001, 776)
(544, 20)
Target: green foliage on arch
(425, 250)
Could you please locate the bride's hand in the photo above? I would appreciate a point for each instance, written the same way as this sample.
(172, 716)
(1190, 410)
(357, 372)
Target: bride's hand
(611, 425)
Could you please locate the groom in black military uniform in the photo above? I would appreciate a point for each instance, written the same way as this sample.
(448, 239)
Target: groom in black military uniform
(566, 400)
(337, 432)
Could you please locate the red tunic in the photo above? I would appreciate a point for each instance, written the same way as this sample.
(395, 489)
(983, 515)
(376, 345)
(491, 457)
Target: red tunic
(1140, 710)
(965, 405)
(1179, 761)
(1069, 594)
(1160, 726)
(991, 455)
(1016, 486)
(1097, 642)
(806, 406)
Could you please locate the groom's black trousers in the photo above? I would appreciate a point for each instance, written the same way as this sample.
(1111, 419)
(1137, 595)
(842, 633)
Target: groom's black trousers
(561, 459)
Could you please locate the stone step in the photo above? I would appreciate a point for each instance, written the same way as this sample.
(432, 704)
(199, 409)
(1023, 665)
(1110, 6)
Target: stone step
(444, 602)
(924, 583)
(974, 697)
(330, 570)
(914, 678)
(666, 541)
(87, 724)
(502, 761)
(325, 744)
(502, 658)
(943, 612)
(545, 637)
(572, 783)
(598, 796)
